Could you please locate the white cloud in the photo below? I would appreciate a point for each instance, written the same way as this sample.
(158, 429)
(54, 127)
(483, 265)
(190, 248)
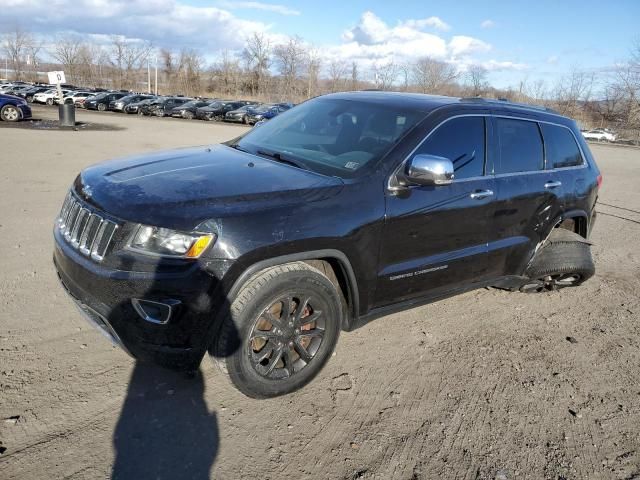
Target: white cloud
(497, 66)
(552, 60)
(266, 7)
(463, 45)
(488, 24)
(435, 22)
(165, 23)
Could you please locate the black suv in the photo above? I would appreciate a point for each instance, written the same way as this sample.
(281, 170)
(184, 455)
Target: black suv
(343, 209)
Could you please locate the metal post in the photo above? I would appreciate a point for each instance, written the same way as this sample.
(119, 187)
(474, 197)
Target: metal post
(148, 76)
(156, 74)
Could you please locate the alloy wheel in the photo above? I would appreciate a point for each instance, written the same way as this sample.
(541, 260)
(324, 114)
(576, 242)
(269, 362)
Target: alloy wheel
(10, 113)
(286, 336)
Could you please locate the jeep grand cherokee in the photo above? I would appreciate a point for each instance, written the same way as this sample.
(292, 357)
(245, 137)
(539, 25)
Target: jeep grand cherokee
(340, 210)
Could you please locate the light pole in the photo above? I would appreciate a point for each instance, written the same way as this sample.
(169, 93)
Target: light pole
(156, 74)
(148, 76)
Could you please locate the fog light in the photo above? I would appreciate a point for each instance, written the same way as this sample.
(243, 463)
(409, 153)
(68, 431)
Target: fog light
(154, 312)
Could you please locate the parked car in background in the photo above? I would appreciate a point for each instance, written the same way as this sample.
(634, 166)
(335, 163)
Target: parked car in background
(48, 96)
(188, 110)
(266, 112)
(16, 89)
(239, 115)
(600, 134)
(165, 107)
(135, 106)
(146, 108)
(13, 109)
(102, 100)
(119, 104)
(72, 97)
(217, 110)
(29, 93)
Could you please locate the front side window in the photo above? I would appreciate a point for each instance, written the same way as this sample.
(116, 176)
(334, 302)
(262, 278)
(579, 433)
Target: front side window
(461, 140)
(561, 147)
(520, 146)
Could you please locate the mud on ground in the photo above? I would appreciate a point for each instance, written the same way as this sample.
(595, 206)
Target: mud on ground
(485, 385)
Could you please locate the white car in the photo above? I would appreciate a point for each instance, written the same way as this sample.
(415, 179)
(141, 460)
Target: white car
(73, 97)
(600, 134)
(48, 96)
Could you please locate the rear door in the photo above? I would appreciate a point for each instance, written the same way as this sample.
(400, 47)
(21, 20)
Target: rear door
(565, 158)
(528, 196)
(435, 237)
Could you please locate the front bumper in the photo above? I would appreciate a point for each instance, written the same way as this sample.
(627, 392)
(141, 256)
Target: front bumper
(104, 295)
(25, 111)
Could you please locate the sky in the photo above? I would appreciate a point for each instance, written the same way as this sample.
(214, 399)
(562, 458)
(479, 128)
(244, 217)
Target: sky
(513, 40)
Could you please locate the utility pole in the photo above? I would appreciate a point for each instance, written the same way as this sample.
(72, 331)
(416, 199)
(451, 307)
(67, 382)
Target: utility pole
(156, 74)
(148, 76)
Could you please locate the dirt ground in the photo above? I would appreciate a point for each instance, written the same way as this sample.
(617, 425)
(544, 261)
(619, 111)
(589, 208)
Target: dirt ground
(487, 385)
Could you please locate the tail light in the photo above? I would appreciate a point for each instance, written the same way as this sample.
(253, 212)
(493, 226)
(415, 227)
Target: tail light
(599, 180)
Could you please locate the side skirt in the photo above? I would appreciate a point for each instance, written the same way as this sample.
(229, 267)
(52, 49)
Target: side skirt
(500, 282)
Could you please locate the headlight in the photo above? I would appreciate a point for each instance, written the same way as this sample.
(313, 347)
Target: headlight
(166, 242)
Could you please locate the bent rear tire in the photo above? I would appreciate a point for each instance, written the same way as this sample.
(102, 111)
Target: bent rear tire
(280, 330)
(10, 113)
(563, 261)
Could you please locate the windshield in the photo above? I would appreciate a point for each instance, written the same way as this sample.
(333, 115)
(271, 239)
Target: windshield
(332, 136)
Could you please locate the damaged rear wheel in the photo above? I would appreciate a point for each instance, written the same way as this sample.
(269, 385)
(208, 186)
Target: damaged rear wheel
(563, 261)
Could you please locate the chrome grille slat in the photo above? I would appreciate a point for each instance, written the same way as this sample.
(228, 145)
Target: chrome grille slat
(88, 232)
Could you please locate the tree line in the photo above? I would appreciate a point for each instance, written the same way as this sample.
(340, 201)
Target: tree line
(294, 71)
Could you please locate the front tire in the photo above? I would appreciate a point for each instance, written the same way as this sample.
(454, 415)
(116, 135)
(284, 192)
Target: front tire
(563, 261)
(280, 330)
(102, 107)
(49, 101)
(10, 113)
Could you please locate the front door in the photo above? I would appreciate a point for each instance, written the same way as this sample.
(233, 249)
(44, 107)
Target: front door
(435, 237)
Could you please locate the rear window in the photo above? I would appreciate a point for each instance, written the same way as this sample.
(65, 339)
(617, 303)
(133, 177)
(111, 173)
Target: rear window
(561, 147)
(520, 146)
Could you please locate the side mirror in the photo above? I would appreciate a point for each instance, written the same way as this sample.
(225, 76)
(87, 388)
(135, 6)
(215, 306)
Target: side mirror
(429, 170)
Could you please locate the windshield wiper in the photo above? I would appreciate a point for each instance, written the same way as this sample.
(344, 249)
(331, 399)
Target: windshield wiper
(278, 157)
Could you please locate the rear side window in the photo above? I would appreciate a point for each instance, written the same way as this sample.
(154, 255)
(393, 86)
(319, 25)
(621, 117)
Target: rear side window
(561, 147)
(461, 140)
(520, 146)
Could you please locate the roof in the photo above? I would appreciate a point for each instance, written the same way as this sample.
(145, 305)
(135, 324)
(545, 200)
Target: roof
(425, 102)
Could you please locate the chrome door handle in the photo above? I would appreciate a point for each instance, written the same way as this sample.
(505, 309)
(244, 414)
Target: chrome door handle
(480, 194)
(552, 184)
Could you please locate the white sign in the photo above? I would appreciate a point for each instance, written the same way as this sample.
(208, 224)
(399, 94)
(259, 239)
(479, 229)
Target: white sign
(56, 77)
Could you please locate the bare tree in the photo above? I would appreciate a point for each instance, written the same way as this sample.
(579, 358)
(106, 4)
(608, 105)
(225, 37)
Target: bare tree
(127, 57)
(572, 91)
(257, 57)
(66, 50)
(226, 75)
(477, 78)
(190, 68)
(385, 74)
(314, 64)
(337, 69)
(290, 58)
(431, 75)
(16, 45)
(33, 57)
(355, 78)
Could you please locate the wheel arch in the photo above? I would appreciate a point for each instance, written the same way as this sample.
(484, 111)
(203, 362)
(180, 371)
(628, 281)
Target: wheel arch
(337, 260)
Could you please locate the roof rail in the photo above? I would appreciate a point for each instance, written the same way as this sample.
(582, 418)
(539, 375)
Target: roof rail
(509, 102)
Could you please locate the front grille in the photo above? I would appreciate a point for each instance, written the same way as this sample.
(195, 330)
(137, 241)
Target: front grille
(85, 230)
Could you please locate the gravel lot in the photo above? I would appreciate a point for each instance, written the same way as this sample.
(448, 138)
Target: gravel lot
(485, 385)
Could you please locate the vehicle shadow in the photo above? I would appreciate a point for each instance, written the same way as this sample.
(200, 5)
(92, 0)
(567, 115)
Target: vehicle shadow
(165, 430)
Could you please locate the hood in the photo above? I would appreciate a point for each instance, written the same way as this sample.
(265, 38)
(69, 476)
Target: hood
(182, 188)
